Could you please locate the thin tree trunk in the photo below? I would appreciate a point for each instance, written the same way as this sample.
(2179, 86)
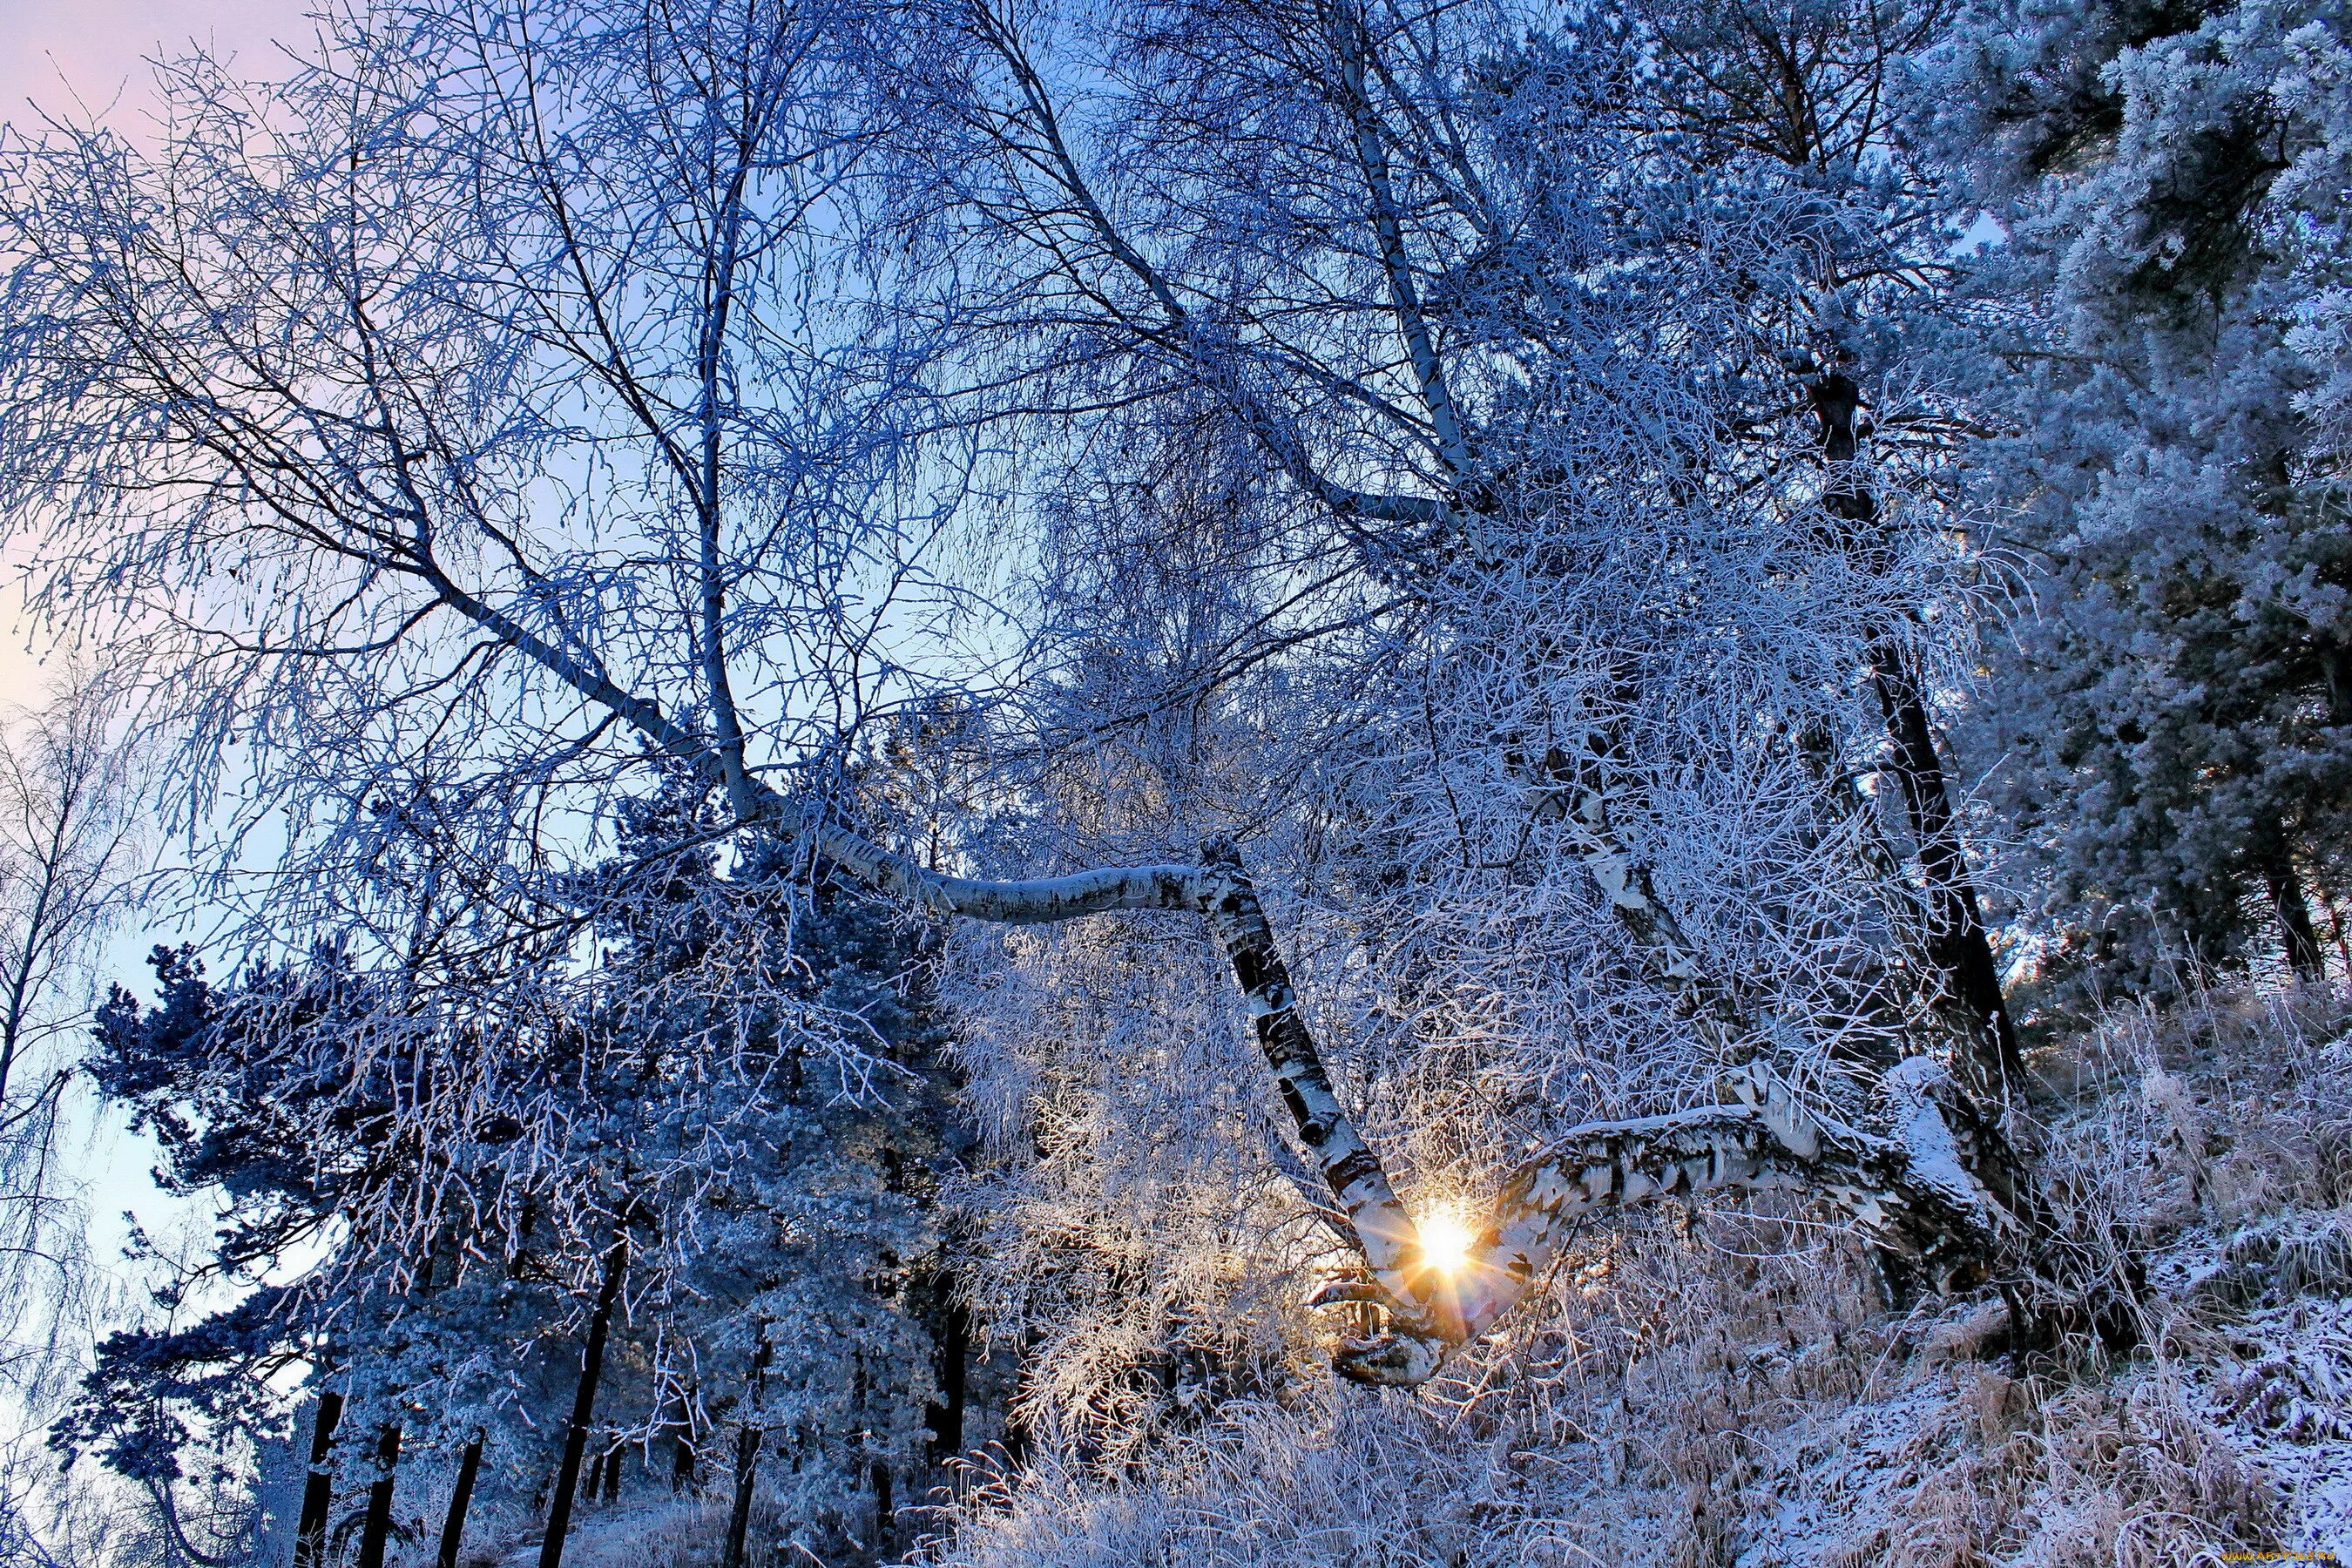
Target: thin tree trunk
(1958, 943)
(738, 1516)
(747, 1456)
(884, 1510)
(453, 1527)
(946, 1415)
(319, 1486)
(682, 1456)
(378, 1528)
(595, 1481)
(612, 1457)
(2336, 927)
(583, 1405)
(2298, 936)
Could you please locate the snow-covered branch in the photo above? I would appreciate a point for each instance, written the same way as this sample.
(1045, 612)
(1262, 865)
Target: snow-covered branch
(1911, 1189)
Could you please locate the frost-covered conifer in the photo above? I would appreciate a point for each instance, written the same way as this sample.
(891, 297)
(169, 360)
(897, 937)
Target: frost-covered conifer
(760, 1235)
(2155, 356)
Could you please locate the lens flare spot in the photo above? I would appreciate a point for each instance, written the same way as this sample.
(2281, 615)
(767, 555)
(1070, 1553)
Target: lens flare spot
(1446, 1243)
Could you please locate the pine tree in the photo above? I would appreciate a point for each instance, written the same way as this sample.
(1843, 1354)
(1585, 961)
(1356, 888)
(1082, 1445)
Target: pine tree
(528, 1326)
(2174, 698)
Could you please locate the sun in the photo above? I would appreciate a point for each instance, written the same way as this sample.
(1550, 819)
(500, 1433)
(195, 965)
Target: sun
(1446, 1243)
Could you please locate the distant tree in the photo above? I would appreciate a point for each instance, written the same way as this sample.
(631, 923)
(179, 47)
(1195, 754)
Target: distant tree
(70, 808)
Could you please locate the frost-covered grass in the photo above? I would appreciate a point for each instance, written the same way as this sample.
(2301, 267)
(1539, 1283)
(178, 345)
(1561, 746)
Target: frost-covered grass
(1736, 1391)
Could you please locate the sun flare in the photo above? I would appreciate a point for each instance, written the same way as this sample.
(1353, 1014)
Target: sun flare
(1446, 1243)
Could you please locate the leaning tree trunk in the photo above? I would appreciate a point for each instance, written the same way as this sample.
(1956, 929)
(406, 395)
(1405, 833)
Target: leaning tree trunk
(319, 1486)
(747, 1456)
(583, 1402)
(461, 1497)
(377, 1530)
(1917, 1188)
(1959, 945)
(1914, 1187)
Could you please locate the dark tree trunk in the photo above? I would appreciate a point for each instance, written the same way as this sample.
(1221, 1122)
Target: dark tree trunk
(1958, 943)
(378, 1528)
(583, 1406)
(2300, 938)
(612, 1457)
(883, 1508)
(747, 1456)
(319, 1486)
(681, 1458)
(461, 1497)
(595, 1481)
(946, 1414)
(738, 1517)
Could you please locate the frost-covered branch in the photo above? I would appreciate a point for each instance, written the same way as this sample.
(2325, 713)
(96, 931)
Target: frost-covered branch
(1912, 1190)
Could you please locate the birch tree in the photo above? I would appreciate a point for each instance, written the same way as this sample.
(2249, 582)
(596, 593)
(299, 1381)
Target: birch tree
(512, 409)
(69, 871)
(1354, 245)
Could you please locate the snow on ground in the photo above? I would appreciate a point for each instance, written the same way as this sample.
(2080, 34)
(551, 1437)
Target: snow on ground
(2283, 1394)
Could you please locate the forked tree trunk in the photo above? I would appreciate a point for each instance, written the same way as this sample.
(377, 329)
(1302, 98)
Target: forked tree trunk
(461, 1497)
(377, 1529)
(1992, 1067)
(319, 1486)
(583, 1402)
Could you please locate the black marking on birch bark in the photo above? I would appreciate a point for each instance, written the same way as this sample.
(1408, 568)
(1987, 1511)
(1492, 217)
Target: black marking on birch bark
(1361, 1165)
(1389, 1242)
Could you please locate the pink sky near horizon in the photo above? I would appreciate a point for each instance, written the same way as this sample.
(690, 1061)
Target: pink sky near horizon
(86, 59)
(96, 50)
